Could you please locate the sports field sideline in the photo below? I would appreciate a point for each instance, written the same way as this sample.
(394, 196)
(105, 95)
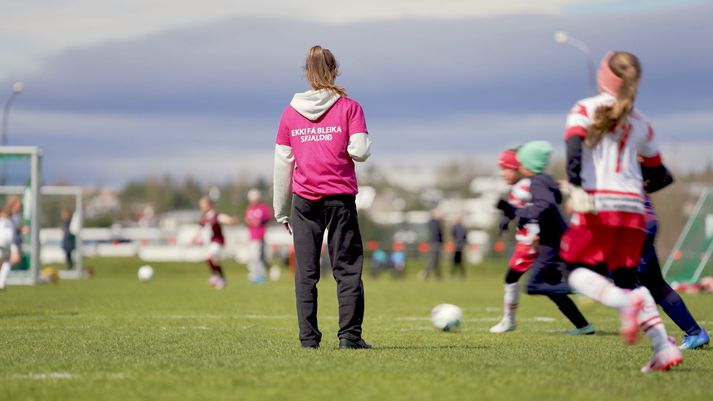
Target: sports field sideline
(175, 338)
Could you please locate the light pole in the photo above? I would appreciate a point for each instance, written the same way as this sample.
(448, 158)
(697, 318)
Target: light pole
(565, 38)
(17, 88)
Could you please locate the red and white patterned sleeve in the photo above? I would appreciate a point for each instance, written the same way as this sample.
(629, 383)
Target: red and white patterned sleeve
(578, 122)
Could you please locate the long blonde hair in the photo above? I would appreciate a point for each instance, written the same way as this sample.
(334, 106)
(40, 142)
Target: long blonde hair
(321, 69)
(627, 67)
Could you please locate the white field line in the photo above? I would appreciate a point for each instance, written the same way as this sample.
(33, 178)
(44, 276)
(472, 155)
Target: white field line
(480, 319)
(69, 376)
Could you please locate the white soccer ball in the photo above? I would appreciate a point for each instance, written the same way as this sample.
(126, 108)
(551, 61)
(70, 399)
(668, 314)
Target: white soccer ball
(446, 317)
(145, 273)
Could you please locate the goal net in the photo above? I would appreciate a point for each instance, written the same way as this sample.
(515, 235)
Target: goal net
(690, 258)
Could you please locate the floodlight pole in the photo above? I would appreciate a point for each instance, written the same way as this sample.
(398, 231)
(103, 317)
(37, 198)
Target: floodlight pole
(17, 88)
(565, 38)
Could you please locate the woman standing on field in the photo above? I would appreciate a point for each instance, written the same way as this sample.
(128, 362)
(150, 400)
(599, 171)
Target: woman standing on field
(320, 136)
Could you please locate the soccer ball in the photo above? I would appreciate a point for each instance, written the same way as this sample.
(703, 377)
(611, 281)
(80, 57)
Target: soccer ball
(446, 317)
(145, 273)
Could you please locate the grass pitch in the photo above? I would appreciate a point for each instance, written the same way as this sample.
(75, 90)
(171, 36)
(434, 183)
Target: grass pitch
(115, 338)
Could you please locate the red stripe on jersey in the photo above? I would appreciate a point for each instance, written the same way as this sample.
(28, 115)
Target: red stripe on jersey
(622, 145)
(575, 131)
(612, 192)
(581, 110)
(653, 161)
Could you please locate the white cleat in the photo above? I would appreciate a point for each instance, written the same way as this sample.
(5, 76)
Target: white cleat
(665, 359)
(503, 326)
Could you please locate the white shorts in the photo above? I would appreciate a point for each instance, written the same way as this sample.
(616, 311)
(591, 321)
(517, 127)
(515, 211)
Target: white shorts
(6, 252)
(215, 250)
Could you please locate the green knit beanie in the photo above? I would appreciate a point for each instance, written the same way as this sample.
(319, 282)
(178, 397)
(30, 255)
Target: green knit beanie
(535, 155)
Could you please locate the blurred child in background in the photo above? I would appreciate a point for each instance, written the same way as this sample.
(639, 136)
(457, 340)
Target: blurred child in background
(257, 216)
(532, 203)
(213, 221)
(9, 252)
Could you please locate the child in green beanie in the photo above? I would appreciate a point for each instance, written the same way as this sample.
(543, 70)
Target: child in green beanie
(546, 278)
(534, 157)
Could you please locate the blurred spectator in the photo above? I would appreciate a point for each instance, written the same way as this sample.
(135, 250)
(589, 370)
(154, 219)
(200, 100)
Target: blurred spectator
(68, 237)
(257, 216)
(379, 262)
(436, 243)
(460, 239)
(398, 259)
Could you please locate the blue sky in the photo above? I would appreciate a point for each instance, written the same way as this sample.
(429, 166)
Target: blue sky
(116, 92)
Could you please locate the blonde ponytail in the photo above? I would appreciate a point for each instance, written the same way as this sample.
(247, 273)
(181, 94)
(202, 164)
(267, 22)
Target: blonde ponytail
(321, 69)
(627, 67)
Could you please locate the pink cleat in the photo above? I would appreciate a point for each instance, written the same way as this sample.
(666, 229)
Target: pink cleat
(220, 283)
(629, 315)
(665, 359)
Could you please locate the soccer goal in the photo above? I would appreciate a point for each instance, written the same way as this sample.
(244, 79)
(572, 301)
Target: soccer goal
(691, 256)
(20, 180)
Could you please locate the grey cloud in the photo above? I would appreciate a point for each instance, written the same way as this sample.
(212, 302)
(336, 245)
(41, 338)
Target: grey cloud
(250, 67)
(206, 100)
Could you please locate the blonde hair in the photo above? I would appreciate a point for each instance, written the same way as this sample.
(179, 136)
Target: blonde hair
(321, 69)
(10, 203)
(627, 67)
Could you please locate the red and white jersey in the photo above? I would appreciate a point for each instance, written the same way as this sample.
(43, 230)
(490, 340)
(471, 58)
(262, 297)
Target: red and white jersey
(611, 170)
(520, 196)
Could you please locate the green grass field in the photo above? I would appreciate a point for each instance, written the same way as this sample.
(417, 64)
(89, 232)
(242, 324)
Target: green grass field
(175, 338)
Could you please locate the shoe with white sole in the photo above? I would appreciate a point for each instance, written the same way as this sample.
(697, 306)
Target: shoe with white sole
(587, 330)
(503, 326)
(665, 359)
(695, 342)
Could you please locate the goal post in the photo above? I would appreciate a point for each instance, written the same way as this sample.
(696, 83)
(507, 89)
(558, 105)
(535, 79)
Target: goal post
(30, 193)
(690, 257)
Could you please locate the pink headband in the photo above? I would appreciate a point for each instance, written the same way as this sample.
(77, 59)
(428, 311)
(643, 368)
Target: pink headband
(608, 81)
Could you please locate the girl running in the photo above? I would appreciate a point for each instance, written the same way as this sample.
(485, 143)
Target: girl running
(320, 136)
(649, 270)
(213, 221)
(532, 202)
(605, 137)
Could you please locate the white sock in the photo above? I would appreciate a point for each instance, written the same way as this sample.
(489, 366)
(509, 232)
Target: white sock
(595, 286)
(650, 321)
(4, 271)
(512, 299)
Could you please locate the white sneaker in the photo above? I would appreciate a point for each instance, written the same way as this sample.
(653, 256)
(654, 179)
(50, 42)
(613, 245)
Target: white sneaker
(665, 359)
(213, 280)
(503, 326)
